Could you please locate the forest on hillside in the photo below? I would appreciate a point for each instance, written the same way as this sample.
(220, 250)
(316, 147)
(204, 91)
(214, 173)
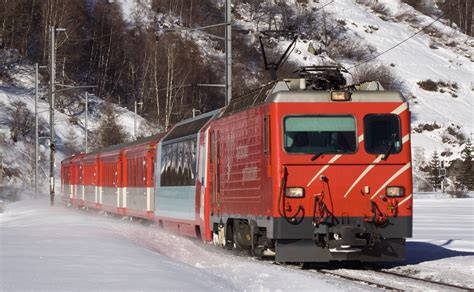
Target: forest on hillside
(140, 60)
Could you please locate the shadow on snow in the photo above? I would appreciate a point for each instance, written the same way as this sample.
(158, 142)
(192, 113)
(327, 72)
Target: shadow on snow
(419, 252)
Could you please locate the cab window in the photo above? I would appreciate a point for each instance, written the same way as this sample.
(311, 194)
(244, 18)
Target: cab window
(320, 134)
(382, 133)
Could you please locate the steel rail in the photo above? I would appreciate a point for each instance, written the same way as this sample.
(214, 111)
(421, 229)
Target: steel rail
(440, 283)
(354, 279)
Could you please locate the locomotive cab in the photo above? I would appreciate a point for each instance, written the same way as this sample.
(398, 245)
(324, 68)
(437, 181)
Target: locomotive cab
(312, 175)
(344, 175)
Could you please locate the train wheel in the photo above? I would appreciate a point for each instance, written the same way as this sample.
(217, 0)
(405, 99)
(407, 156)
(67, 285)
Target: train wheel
(242, 235)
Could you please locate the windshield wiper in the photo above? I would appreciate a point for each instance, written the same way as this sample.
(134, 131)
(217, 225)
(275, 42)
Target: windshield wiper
(391, 143)
(316, 156)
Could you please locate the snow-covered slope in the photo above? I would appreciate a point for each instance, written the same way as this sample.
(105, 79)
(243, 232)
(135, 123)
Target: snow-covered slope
(442, 119)
(17, 159)
(415, 61)
(440, 53)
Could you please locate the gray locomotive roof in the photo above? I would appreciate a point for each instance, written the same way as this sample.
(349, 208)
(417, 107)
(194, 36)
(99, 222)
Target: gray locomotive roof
(281, 92)
(325, 96)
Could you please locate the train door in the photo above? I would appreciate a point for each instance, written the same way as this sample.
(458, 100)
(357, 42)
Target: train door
(96, 180)
(266, 143)
(121, 196)
(215, 167)
(150, 195)
(100, 179)
(81, 181)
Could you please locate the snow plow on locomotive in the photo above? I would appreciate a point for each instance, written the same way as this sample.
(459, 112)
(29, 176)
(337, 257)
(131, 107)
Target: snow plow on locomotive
(307, 175)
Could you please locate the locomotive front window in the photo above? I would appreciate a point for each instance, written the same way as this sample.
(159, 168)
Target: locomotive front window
(320, 134)
(382, 134)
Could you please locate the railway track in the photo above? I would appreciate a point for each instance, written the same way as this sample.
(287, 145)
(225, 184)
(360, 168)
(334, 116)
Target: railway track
(375, 276)
(447, 285)
(391, 280)
(354, 279)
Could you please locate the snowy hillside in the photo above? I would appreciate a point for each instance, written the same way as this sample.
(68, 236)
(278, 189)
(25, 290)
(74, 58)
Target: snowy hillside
(17, 159)
(439, 56)
(417, 60)
(432, 68)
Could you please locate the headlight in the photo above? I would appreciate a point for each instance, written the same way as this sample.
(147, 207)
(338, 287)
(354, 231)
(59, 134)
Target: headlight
(294, 192)
(394, 192)
(340, 96)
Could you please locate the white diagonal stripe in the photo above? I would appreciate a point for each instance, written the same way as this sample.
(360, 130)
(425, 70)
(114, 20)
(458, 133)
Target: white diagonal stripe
(406, 138)
(397, 174)
(372, 165)
(404, 200)
(336, 157)
(400, 109)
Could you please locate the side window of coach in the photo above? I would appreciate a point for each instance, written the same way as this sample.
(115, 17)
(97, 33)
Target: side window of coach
(179, 163)
(382, 133)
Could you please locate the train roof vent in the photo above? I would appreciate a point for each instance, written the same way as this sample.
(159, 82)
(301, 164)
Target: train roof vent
(370, 86)
(296, 84)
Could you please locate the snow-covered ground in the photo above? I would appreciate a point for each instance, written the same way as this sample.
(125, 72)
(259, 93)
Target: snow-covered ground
(44, 248)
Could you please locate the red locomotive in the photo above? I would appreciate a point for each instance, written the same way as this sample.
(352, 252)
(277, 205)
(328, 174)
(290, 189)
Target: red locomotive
(309, 175)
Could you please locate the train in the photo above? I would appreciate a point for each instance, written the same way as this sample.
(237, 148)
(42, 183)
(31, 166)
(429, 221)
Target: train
(285, 170)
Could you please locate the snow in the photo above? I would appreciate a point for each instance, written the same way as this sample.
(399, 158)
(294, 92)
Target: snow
(443, 243)
(55, 249)
(134, 10)
(415, 61)
(22, 89)
(411, 62)
(44, 248)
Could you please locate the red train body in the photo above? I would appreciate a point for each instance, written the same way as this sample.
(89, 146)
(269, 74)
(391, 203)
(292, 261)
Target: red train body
(312, 176)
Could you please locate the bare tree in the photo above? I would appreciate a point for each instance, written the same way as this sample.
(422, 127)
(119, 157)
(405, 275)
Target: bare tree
(377, 72)
(460, 12)
(169, 88)
(21, 120)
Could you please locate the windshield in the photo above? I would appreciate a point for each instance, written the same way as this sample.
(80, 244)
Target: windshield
(320, 134)
(382, 134)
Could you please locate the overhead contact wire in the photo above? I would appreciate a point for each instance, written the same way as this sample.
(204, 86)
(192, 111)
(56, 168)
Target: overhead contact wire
(405, 40)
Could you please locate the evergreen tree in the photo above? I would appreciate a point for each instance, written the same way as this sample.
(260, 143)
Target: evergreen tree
(457, 190)
(466, 175)
(434, 171)
(110, 132)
